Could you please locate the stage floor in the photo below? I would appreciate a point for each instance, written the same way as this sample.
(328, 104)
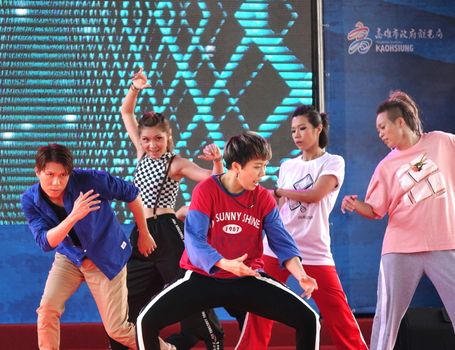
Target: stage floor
(91, 336)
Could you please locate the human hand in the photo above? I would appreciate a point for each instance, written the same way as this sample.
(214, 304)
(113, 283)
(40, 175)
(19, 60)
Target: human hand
(145, 243)
(348, 203)
(85, 204)
(211, 152)
(237, 267)
(182, 213)
(139, 80)
(309, 285)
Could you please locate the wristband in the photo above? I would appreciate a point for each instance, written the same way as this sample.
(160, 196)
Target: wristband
(132, 86)
(218, 159)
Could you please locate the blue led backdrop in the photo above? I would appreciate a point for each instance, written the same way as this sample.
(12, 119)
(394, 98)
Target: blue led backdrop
(216, 67)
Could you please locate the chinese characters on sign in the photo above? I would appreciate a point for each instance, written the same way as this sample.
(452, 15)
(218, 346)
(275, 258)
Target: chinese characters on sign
(389, 39)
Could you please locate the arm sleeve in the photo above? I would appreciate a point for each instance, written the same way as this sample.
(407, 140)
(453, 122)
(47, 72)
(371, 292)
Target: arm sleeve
(111, 187)
(200, 252)
(377, 194)
(281, 174)
(36, 223)
(334, 166)
(280, 241)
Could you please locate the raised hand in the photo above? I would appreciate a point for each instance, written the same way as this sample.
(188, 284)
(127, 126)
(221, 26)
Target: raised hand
(139, 80)
(210, 152)
(348, 203)
(85, 204)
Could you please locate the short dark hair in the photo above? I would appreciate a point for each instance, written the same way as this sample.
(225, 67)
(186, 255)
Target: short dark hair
(244, 147)
(54, 152)
(315, 118)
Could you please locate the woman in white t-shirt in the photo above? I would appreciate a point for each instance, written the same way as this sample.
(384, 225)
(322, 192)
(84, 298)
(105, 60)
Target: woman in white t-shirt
(415, 186)
(308, 187)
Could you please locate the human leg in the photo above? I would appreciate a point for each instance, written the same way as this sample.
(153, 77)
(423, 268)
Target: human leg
(439, 267)
(63, 280)
(143, 282)
(201, 326)
(333, 306)
(111, 299)
(177, 301)
(257, 331)
(399, 275)
(270, 299)
(195, 292)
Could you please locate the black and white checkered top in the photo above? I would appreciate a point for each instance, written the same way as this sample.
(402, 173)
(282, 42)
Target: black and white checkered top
(149, 176)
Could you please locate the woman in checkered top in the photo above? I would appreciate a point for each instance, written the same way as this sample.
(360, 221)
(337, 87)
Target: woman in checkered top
(158, 174)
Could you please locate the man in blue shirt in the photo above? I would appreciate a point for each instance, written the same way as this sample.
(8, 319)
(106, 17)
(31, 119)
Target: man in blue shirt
(69, 210)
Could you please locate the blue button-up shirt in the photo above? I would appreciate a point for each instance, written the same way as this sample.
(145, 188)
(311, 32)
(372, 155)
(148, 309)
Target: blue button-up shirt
(102, 238)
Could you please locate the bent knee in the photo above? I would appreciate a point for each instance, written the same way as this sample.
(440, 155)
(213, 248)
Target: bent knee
(120, 332)
(148, 319)
(50, 309)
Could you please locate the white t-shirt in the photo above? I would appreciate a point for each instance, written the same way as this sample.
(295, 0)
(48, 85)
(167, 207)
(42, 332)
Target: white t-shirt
(308, 223)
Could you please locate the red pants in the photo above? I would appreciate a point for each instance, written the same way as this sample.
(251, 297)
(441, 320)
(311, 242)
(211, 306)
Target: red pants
(329, 298)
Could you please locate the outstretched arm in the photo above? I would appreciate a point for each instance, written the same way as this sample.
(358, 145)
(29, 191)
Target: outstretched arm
(351, 203)
(188, 169)
(284, 247)
(308, 284)
(139, 82)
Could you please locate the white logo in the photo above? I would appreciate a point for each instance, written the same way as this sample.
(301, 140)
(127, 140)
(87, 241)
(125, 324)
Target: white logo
(361, 43)
(232, 229)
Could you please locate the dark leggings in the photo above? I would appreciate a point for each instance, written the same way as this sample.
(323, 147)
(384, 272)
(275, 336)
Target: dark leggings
(148, 276)
(194, 292)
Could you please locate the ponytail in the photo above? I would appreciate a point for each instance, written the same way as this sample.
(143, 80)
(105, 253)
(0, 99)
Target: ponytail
(315, 118)
(324, 135)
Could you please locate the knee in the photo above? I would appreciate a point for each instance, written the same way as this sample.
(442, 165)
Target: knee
(119, 332)
(148, 321)
(315, 319)
(48, 309)
(309, 319)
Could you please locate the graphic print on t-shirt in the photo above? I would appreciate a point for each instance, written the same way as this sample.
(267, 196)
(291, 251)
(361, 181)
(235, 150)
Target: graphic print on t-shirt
(420, 179)
(239, 217)
(303, 184)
